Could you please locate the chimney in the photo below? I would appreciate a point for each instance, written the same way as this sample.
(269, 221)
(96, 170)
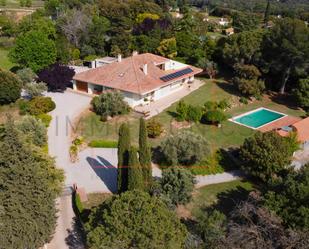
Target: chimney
(145, 69)
(119, 58)
(134, 53)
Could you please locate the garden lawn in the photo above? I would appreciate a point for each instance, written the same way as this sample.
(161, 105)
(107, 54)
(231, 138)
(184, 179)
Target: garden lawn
(5, 63)
(222, 196)
(229, 135)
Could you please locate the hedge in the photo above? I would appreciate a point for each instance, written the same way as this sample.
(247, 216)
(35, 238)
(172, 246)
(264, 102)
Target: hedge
(103, 144)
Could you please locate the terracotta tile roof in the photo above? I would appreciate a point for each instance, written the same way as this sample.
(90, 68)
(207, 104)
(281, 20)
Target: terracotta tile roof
(128, 74)
(302, 128)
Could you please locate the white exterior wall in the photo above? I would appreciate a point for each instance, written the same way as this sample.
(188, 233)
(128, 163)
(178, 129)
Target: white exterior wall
(90, 88)
(133, 99)
(74, 85)
(174, 65)
(164, 91)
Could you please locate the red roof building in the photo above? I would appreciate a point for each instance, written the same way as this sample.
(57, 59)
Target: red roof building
(141, 78)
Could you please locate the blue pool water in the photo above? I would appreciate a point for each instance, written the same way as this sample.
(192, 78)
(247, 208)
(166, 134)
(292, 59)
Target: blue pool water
(259, 118)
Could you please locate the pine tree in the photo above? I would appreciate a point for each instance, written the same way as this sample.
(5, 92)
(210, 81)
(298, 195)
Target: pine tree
(145, 153)
(135, 173)
(267, 12)
(29, 184)
(123, 157)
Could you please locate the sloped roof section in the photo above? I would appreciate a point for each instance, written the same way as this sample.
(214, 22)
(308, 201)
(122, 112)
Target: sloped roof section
(128, 75)
(302, 128)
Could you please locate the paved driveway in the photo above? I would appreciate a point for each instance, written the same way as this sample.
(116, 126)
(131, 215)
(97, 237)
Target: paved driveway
(95, 170)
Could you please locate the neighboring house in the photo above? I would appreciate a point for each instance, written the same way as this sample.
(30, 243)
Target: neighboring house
(229, 31)
(141, 78)
(301, 128)
(223, 22)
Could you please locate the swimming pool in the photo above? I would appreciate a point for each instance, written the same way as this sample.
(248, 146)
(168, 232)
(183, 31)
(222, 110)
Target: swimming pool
(257, 118)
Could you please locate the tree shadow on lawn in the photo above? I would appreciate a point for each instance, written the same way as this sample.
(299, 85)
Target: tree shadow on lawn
(228, 200)
(105, 170)
(76, 238)
(229, 88)
(287, 100)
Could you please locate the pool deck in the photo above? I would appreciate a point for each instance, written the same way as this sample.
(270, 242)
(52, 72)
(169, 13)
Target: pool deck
(285, 121)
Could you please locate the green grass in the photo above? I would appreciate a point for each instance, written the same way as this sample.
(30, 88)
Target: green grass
(229, 135)
(5, 63)
(222, 196)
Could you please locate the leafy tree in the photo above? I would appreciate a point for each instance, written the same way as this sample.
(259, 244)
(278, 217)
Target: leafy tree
(145, 153)
(109, 104)
(212, 227)
(266, 155)
(247, 80)
(28, 193)
(134, 218)
(10, 87)
(194, 113)
(302, 93)
(244, 48)
(286, 49)
(34, 50)
(26, 75)
(34, 130)
(209, 67)
(57, 76)
(184, 148)
(245, 21)
(253, 226)
(214, 117)
(177, 184)
(154, 128)
(34, 89)
(289, 199)
(135, 172)
(123, 157)
(168, 48)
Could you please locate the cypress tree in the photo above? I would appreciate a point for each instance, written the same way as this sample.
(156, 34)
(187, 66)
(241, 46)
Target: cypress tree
(135, 173)
(267, 11)
(123, 157)
(145, 153)
(29, 184)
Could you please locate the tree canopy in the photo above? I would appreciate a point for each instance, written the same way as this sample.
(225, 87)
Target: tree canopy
(10, 87)
(134, 219)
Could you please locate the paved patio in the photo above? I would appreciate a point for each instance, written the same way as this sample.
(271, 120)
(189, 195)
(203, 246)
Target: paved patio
(158, 106)
(286, 121)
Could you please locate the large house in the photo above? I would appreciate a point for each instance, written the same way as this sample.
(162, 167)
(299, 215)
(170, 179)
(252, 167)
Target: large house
(141, 78)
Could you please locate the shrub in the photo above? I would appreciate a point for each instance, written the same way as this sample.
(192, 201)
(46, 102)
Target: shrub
(194, 113)
(182, 110)
(224, 104)
(45, 118)
(244, 100)
(110, 104)
(40, 105)
(26, 75)
(78, 141)
(79, 207)
(103, 144)
(34, 89)
(184, 148)
(34, 130)
(210, 165)
(178, 184)
(214, 117)
(23, 106)
(210, 105)
(10, 87)
(154, 128)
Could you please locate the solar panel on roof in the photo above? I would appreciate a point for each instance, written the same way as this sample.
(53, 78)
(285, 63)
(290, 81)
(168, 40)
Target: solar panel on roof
(176, 74)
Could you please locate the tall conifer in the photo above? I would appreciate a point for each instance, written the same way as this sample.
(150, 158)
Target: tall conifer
(145, 153)
(135, 173)
(123, 157)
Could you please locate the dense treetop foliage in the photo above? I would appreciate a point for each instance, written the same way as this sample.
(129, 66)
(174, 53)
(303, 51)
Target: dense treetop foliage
(10, 87)
(134, 220)
(29, 185)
